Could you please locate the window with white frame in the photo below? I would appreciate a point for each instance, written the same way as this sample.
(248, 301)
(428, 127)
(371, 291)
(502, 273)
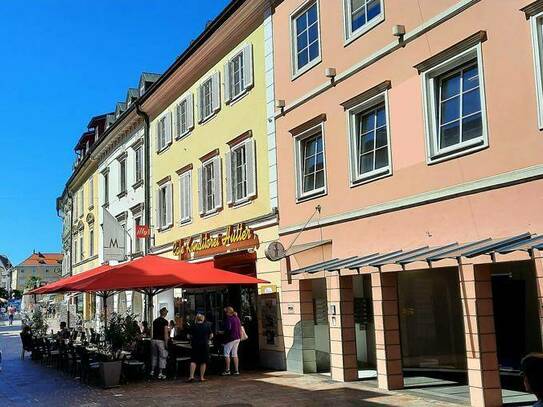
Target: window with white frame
(76, 257)
(164, 132)
(184, 115)
(185, 196)
(164, 205)
(362, 15)
(536, 23)
(106, 187)
(455, 105)
(310, 163)
(369, 139)
(122, 175)
(91, 193)
(138, 163)
(209, 97)
(91, 240)
(81, 246)
(210, 186)
(81, 202)
(238, 74)
(240, 172)
(306, 38)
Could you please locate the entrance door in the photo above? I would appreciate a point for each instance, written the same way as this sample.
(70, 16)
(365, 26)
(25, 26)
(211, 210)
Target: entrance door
(509, 298)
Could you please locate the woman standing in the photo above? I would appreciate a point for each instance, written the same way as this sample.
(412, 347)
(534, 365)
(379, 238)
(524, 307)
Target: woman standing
(232, 333)
(200, 335)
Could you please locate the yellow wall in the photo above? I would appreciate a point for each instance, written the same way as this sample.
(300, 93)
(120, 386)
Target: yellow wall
(247, 113)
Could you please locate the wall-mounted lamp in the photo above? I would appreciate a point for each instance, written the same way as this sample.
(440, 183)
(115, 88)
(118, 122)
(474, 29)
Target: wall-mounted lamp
(280, 104)
(330, 73)
(398, 30)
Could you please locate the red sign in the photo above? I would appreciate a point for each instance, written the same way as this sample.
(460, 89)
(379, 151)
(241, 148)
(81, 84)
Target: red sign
(142, 231)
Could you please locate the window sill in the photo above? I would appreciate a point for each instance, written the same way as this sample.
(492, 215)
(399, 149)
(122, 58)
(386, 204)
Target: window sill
(165, 148)
(239, 97)
(121, 194)
(373, 176)
(310, 196)
(165, 228)
(137, 184)
(308, 67)
(363, 30)
(209, 118)
(185, 222)
(459, 152)
(242, 202)
(210, 214)
(183, 135)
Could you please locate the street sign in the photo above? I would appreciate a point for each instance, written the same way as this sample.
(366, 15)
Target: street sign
(142, 231)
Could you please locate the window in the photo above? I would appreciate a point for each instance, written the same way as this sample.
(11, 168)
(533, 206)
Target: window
(91, 193)
(306, 42)
(238, 74)
(210, 183)
(81, 246)
(361, 16)
(138, 162)
(369, 139)
(185, 195)
(536, 22)
(91, 241)
(164, 132)
(106, 188)
(75, 249)
(240, 170)
(184, 117)
(310, 163)
(455, 108)
(137, 242)
(122, 176)
(164, 206)
(81, 203)
(209, 97)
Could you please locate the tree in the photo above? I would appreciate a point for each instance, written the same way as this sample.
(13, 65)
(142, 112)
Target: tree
(33, 282)
(17, 294)
(4, 293)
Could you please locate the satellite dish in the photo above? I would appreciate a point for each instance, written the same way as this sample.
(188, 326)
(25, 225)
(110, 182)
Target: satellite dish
(275, 251)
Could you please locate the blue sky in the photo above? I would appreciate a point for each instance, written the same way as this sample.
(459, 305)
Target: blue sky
(61, 62)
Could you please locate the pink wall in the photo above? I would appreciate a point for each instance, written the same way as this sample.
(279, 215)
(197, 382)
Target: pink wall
(514, 139)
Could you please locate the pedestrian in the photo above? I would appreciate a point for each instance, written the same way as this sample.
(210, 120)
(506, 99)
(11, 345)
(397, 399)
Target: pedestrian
(232, 338)
(11, 313)
(159, 343)
(64, 332)
(146, 332)
(200, 335)
(532, 370)
(172, 329)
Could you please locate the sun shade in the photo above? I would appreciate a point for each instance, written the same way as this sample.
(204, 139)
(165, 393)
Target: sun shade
(160, 272)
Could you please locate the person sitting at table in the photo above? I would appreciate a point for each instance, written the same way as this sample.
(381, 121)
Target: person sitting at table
(200, 335)
(64, 332)
(159, 343)
(173, 329)
(145, 329)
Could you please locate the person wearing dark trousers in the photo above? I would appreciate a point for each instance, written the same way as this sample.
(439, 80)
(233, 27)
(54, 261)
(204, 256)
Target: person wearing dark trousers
(200, 335)
(159, 344)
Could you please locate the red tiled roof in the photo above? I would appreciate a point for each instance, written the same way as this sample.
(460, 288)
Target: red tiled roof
(41, 259)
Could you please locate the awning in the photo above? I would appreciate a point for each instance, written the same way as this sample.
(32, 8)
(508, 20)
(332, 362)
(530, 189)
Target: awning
(158, 272)
(524, 242)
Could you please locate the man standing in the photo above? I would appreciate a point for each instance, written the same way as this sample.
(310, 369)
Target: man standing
(11, 313)
(158, 344)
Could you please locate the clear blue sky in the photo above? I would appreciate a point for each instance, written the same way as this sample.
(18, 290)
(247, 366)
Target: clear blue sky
(61, 62)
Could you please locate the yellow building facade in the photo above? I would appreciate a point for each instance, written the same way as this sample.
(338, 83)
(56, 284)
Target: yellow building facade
(213, 171)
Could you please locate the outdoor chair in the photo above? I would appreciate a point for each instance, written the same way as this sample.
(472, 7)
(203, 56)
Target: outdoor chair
(132, 369)
(89, 368)
(27, 344)
(52, 354)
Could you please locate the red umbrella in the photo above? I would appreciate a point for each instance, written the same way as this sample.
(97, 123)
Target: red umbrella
(160, 273)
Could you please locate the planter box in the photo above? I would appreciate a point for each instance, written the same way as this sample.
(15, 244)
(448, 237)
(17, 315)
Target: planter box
(110, 373)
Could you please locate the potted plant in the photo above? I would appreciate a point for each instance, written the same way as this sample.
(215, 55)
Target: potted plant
(119, 334)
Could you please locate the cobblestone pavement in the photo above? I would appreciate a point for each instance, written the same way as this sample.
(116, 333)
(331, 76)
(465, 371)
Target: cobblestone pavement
(25, 382)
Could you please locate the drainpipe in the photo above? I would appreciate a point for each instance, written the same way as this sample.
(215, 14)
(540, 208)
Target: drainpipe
(147, 174)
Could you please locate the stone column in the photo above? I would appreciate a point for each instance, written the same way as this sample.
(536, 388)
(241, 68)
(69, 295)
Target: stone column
(129, 302)
(387, 330)
(298, 326)
(339, 295)
(538, 267)
(482, 358)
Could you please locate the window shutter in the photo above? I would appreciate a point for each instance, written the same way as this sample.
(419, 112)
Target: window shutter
(216, 91)
(218, 182)
(201, 190)
(227, 93)
(185, 194)
(157, 138)
(190, 111)
(158, 223)
(248, 66)
(168, 123)
(200, 104)
(229, 177)
(169, 209)
(250, 154)
(176, 124)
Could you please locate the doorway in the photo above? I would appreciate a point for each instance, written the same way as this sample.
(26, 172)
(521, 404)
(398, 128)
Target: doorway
(364, 327)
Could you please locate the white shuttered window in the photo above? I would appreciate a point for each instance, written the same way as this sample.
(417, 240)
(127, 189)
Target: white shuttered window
(209, 97)
(164, 202)
(184, 116)
(241, 172)
(164, 131)
(185, 194)
(238, 74)
(210, 186)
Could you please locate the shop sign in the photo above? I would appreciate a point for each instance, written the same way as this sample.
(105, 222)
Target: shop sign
(142, 231)
(237, 237)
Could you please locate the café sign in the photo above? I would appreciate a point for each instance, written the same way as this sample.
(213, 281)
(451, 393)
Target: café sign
(236, 237)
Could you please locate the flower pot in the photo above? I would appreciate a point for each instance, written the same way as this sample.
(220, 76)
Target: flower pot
(110, 372)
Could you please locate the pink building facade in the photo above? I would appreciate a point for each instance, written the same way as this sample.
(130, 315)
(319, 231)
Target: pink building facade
(410, 167)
